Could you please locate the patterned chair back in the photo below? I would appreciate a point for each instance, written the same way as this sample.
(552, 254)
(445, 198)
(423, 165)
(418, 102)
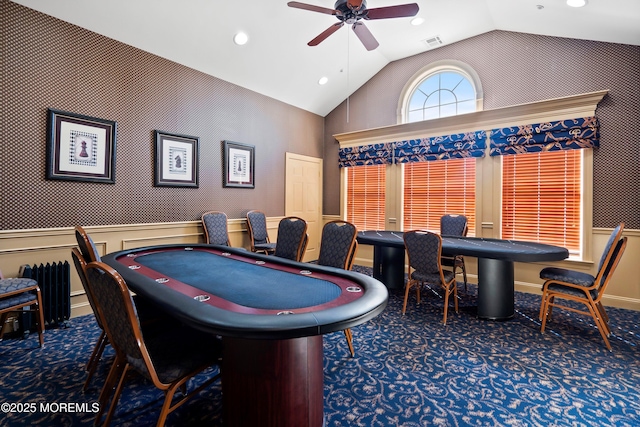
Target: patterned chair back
(116, 309)
(609, 247)
(292, 236)
(337, 245)
(423, 249)
(87, 247)
(215, 228)
(453, 225)
(607, 272)
(81, 265)
(258, 225)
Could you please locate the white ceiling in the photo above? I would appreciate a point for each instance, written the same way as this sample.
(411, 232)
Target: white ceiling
(277, 61)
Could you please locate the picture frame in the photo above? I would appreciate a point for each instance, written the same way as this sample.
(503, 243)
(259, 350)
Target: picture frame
(176, 160)
(238, 165)
(80, 148)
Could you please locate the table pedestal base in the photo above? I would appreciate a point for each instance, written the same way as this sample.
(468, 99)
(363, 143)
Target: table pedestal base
(273, 382)
(495, 289)
(388, 266)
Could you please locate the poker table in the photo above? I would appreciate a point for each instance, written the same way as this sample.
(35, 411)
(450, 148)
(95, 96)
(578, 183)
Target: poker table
(271, 314)
(495, 264)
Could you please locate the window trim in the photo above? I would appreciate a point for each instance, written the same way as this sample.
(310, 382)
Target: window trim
(430, 70)
(569, 107)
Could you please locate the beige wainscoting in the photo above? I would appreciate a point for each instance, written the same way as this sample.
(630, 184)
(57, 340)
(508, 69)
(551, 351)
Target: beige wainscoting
(36, 246)
(18, 247)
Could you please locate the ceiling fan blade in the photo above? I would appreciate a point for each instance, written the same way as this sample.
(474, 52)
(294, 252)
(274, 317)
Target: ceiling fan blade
(365, 36)
(312, 8)
(326, 33)
(399, 11)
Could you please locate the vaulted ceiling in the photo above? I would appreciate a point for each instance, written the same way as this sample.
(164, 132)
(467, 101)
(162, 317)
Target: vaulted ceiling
(277, 61)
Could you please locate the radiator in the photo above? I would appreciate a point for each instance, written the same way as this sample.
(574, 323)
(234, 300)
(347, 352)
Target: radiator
(55, 285)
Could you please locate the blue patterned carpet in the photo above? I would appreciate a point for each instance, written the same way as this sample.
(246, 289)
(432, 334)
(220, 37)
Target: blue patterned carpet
(408, 371)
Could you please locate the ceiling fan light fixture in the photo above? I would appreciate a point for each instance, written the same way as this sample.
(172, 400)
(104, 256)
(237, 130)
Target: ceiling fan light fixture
(240, 38)
(576, 3)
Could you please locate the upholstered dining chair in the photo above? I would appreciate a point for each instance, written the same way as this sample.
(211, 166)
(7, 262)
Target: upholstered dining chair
(15, 295)
(424, 250)
(83, 255)
(85, 244)
(92, 364)
(338, 246)
(258, 236)
(292, 238)
(215, 228)
(454, 225)
(579, 287)
(168, 358)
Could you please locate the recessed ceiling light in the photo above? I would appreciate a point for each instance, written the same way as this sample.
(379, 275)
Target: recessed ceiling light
(240, 38)
(417, 21)
(576, 3)
(323, 80)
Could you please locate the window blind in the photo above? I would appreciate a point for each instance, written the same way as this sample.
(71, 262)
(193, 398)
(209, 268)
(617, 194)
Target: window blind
(366, 196)
(541, 198)
(433, 189)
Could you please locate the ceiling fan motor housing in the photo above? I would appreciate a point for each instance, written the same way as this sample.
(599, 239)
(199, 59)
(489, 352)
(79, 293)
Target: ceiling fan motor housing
(348, 14)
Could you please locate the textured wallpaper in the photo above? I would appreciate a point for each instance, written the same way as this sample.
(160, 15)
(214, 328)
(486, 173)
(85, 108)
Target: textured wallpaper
(517, 68)
(47, 63)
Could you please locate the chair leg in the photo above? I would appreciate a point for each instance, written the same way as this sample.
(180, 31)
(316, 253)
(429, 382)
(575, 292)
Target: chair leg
(543, 302)
(446, 306)
(166, 406)
(602, 328)
(545, 311)
(109, 384)
(549, 309)
(40, 316)
(3, 318)
(455, 296)
(349, 336)
(603, 315)
(92, 364)
(464, 276)
(116, 396)
(407, 287)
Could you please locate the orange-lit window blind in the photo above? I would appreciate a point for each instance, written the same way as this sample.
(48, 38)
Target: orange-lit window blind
(541, 198)
(366, 196)
(436, 188)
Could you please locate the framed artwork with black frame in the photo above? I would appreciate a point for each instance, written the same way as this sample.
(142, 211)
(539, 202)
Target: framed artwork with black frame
(239, 165)
(80, 148)
(176, 160)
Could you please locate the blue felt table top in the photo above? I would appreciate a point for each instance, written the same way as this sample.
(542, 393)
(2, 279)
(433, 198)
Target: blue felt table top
(240, 282)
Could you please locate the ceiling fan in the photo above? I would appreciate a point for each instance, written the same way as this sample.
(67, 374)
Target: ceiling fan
(352, 12)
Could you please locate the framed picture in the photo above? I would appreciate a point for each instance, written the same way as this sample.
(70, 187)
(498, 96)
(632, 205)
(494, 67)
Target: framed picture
(80, 148)
(176, 160)
(239, 162)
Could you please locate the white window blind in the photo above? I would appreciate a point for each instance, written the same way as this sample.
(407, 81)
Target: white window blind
(541, 198)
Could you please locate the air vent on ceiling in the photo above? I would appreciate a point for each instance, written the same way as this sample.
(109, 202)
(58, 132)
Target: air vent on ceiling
(434, 41)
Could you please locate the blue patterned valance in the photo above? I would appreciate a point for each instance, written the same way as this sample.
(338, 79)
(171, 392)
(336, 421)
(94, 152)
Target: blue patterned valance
(366, 155)
(456, 146)
(551, 136)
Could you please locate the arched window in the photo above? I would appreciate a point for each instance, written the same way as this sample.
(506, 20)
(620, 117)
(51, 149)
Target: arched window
(445, 93)
(436, 188)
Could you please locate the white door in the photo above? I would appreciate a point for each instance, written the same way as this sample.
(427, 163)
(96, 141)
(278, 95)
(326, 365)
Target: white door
(303, 197)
